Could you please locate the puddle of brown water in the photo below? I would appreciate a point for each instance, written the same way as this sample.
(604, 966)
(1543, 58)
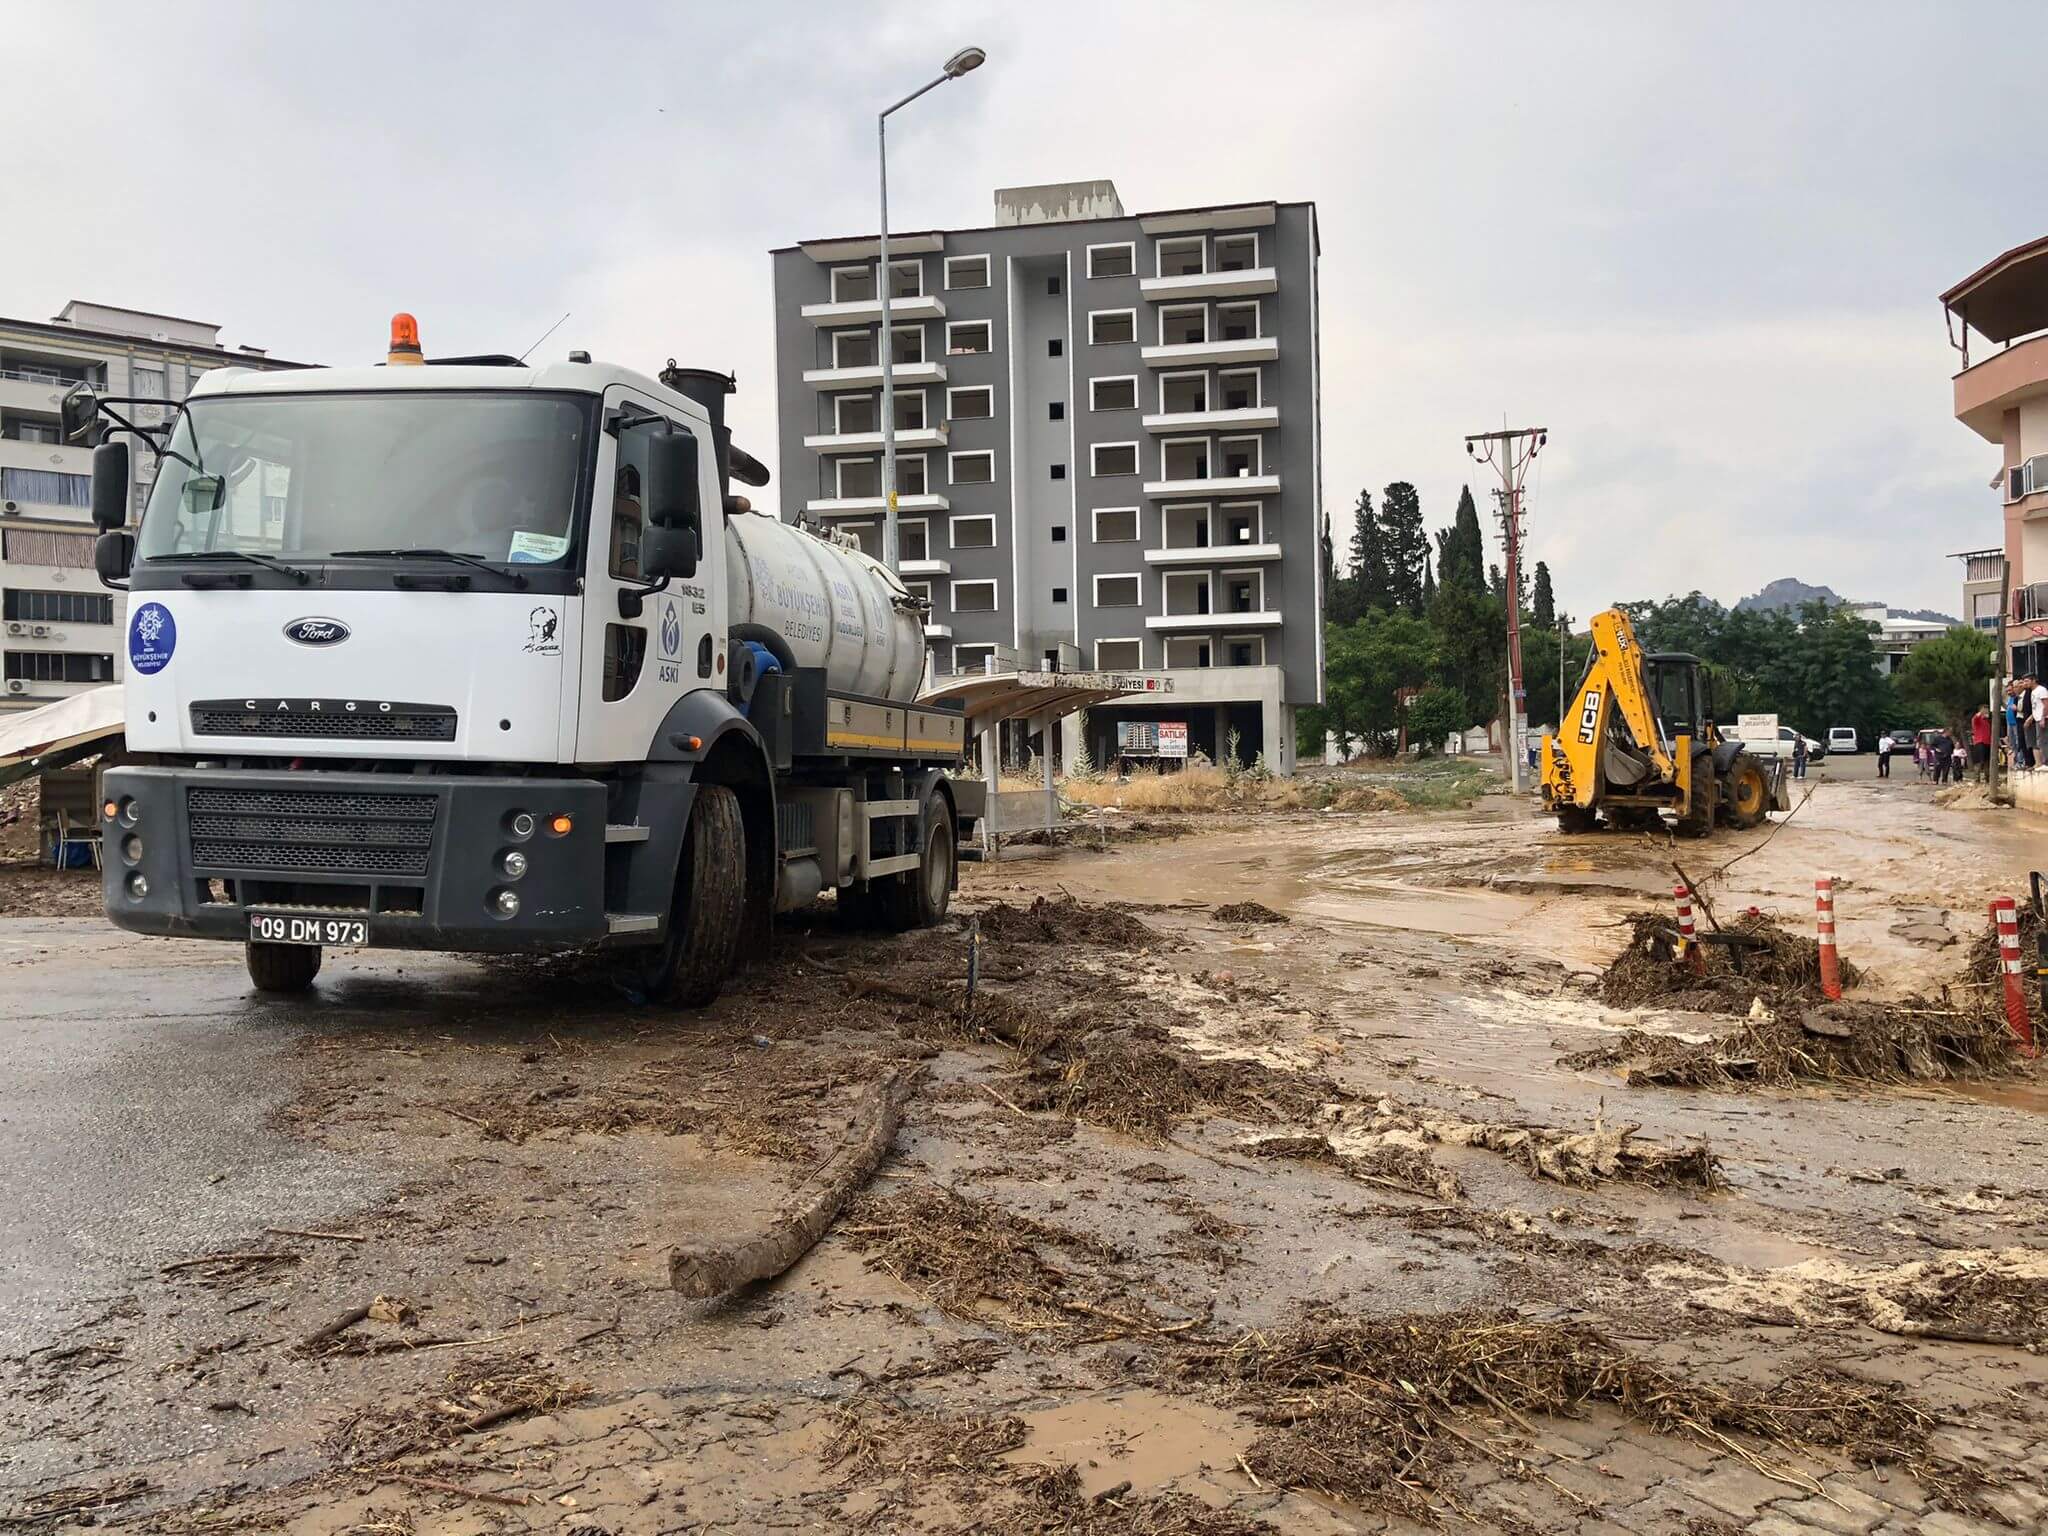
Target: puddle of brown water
(1140, 1436)
(2029, 1096)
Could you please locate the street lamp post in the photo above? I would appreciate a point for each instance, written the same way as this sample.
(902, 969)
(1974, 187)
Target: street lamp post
(965, 60)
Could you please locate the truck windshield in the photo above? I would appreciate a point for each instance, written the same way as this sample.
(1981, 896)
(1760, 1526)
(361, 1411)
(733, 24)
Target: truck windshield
(493, 476)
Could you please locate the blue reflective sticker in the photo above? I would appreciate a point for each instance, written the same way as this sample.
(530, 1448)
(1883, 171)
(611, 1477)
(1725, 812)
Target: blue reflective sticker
(152, 636)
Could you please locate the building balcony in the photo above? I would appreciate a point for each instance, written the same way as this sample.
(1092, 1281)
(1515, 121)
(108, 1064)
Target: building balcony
(842, 506)
(1216, 485)
(25, 391)
(1245, 283)
(2030, 603)
(938, 631)
(869, 376)
(1985, 391)
(907, 439)
(65, 458)
(1193, 354)
(922, 567)
(1170, 622)
(1212, 554)
(869, 311)
(1254, 419)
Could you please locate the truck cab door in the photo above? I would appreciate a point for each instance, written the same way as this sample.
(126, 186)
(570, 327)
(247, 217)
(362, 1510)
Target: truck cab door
(636, 665)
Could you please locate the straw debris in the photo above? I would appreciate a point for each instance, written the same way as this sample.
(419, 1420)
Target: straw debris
(1766, 961)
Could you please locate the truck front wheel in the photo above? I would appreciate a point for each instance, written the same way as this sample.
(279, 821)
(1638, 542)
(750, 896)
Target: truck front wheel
(283, 967)
(710, 904)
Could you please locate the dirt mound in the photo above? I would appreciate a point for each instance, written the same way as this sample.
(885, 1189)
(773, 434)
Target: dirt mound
(1764, 960)
(1970, 1296)
(1249, 912)
(1064, 920)
(1965, 797)
(1380, 1410)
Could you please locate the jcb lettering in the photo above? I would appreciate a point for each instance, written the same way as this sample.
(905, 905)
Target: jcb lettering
(1589, 716)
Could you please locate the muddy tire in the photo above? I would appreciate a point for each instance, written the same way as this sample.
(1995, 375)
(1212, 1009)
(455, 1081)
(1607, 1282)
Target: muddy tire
(1698, 817)
(1746, 793)
(1575, 819)
(710, 908)
(1636, 818)
(918, 897)
(283, 967)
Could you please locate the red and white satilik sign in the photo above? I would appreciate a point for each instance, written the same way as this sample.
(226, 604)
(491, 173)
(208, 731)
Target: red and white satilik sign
(1173, 738)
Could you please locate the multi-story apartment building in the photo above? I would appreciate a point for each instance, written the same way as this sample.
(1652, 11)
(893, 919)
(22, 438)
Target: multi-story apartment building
(1983, 587)
(2002, 396)
(1108, 443)
(62, 630)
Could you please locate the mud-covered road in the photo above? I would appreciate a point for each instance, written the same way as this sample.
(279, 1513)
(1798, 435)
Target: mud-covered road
(1197, 1223)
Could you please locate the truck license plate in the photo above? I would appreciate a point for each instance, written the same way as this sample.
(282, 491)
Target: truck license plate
(289, 928)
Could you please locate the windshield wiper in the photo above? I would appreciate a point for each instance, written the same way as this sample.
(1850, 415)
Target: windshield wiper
(236, 554)
(516, 578)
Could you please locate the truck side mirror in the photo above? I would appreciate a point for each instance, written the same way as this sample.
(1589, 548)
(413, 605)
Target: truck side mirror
(76, 413)
(666, 552)
(673, 540)
(113, 556)
(110, 484)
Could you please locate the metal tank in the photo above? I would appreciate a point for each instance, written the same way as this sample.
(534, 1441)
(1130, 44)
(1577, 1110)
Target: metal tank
(834, 607)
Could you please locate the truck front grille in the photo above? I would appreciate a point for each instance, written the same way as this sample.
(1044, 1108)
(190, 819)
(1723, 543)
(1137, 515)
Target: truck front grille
(331, 719)
(311, 831)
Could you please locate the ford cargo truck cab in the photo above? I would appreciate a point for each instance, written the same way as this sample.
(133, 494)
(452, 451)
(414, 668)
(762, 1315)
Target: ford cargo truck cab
(479, 656)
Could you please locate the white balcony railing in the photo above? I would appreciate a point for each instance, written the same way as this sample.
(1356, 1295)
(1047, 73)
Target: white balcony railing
(1251, 419)
(1256, 619)
(1216, 485)
(1212, 554)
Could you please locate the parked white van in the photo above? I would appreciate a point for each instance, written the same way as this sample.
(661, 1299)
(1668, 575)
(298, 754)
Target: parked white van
(1842, 738)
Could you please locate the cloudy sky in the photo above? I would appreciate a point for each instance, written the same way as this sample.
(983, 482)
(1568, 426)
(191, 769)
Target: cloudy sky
(1701, 244)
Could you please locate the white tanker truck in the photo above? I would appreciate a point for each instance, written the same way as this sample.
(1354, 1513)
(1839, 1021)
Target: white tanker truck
(478, 656)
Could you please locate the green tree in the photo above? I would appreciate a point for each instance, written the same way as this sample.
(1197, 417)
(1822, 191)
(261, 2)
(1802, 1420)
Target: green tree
(1363, 664)
(1327, 552)
(1428, 583)
(1406, 545)
(1471, 644)
(1434, 715)
(1461, 550)
(1543, 606)
(1950, 675)
(1369, 566)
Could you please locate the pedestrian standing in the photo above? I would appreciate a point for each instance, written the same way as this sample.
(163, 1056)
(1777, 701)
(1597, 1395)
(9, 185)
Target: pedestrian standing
(2015, 743)
(1798, 755)
(1939, 750)
(1980, 743)
(1884, 754)
(2037, 719)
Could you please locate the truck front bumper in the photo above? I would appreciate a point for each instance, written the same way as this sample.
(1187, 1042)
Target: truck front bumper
(425, 862)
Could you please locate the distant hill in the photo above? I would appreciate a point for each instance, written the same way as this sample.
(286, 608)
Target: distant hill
(1790, 592)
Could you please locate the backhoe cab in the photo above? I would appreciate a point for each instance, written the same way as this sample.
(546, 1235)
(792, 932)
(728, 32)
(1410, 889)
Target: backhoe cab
(1636, 741)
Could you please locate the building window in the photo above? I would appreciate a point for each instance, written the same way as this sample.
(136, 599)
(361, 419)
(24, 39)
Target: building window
(1182, 258)
(973, 658)
(906, 279)
(856, 413)
(854, 349)
(1055, 348)
(46, 547)
(852, 285)
(921, 590)
(1059, 471)
(855, 479)
(1237, 322)
(966, 271)
(1183, 394)
(965, 337)
(1116, 525)
(1184, 458)
(1240, 456)
(1237, 253)
(1240, 522)
(57, 607)
(1184, 325)
(1052, 287)
(1241, 389)
(1113, 459)
(972, 468)
(1247, 652)
(59, 667)
(976, 403)
(1115, 394)
(1112, 327)
(1059, 533)
(20, 429)
(910, 410)
(1117, 591)
(913, 541)
(1119, 655)
(974, 597)
(46, 487)
(906, 344)
(1243, 592)
(1059, 594)
(977, 532)
(1056, 410)
(910, 474)
(1112, 260)
(1186, 651)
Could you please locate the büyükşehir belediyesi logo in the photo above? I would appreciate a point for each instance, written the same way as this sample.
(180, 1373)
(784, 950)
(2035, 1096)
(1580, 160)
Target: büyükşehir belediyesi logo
(152, 637)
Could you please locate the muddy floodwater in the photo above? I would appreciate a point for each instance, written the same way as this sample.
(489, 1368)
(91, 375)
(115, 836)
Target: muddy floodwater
(1288, 1175)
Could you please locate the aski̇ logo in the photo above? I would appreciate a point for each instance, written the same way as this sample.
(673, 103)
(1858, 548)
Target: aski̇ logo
(671, 630)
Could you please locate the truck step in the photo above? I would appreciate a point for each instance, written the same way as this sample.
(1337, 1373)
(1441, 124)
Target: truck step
(615, 833)
(631, 922)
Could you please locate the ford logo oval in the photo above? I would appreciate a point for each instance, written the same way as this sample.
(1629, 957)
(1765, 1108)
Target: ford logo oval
(316, 631)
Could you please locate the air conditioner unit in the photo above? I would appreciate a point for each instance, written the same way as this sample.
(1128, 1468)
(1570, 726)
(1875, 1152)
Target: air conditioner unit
(17, 685)
(14, 627)
(10, 508)
(41, 631)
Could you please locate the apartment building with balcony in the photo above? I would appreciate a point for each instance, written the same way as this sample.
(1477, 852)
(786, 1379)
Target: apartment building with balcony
(61, 632)
(2000, 313)
(1108, 443)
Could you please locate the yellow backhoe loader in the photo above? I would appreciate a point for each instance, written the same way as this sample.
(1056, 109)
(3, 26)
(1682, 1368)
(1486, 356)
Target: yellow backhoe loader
(1635, 742)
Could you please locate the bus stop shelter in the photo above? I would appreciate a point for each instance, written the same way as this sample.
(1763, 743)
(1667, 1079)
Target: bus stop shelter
(988, 699)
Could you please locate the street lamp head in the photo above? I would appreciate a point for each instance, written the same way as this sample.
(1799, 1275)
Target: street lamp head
(963, 61)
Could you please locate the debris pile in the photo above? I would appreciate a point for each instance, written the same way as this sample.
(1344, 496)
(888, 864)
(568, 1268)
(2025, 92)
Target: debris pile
(1963, 1296)
(1248, 912)
(1064, 920)
(1761, 959)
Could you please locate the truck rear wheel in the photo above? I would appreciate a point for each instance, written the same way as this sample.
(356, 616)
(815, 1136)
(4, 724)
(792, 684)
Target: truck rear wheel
(1747, 793)
(918, 898)
(1574, 819)
(710, 904)
(283, 967)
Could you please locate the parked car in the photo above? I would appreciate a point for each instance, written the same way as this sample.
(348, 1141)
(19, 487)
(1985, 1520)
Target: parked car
(1903, 741)
(1842, 738)
(1782, 745)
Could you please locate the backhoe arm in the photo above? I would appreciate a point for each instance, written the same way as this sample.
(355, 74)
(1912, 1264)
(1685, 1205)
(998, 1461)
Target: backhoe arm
(1621, 659)
(1614, 680)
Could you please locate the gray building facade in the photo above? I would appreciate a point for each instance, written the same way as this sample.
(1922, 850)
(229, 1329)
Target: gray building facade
(1108, 444)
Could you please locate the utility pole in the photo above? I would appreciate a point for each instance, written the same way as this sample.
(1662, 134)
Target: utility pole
(1510, 451)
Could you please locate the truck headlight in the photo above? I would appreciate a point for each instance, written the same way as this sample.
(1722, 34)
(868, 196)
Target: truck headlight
(514, 864)
(131, 848)
(138, 887)
(520, 824)
(504, 903)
